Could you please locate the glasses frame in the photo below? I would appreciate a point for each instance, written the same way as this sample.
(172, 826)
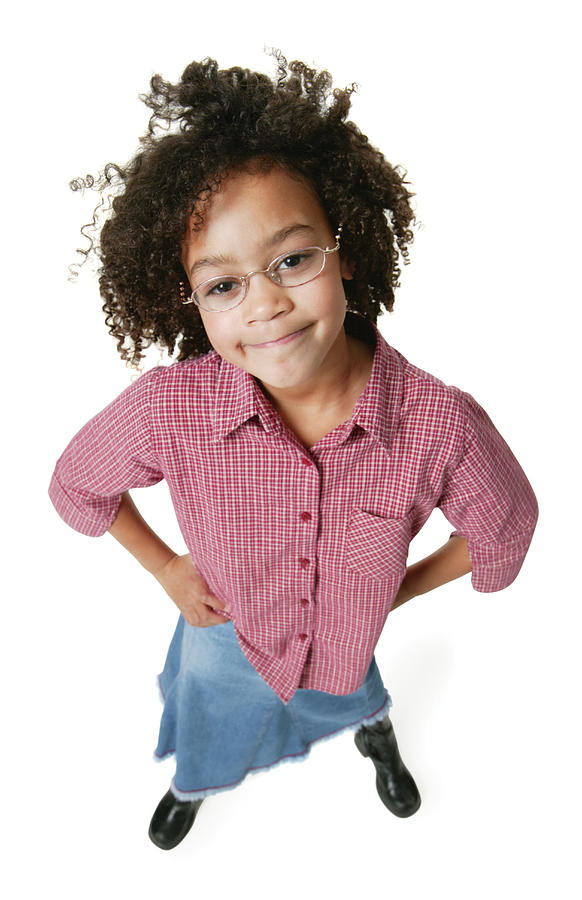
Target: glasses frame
(269, 272)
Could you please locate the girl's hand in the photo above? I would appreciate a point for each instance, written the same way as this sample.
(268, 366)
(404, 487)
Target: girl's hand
(189, 591)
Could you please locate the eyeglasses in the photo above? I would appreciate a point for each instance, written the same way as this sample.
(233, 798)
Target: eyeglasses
(290, 269)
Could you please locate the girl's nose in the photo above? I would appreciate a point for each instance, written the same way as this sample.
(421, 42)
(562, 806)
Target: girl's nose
(264, 299)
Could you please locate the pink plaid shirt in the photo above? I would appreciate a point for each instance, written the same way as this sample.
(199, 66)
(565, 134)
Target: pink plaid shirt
(308, 547)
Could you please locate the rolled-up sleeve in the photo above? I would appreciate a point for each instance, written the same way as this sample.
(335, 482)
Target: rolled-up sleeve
(111, 454)
(489, 501)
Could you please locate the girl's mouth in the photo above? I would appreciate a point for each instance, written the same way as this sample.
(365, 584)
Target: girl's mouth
(283, 340)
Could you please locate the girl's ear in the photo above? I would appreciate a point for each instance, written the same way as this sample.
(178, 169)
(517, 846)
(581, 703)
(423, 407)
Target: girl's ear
(347, 268)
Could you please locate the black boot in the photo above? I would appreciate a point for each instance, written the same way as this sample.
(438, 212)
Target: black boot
(394, 783)
(172, 820)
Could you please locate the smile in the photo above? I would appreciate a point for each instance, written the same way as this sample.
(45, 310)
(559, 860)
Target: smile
(284, 340)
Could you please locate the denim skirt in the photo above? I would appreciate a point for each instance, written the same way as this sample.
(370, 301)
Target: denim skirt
(221, 721)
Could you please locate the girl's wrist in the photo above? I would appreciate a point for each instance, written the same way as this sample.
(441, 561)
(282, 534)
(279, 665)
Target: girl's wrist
(159, 569)
(405, 593)
(449, 562)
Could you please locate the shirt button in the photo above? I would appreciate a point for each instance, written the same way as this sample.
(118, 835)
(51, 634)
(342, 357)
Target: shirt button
(304, 562)
(304, 602)
(305, 516)
(303, 636)
(305, 461)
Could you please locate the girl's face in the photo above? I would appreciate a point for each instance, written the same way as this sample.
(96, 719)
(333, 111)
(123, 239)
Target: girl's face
(241, 233)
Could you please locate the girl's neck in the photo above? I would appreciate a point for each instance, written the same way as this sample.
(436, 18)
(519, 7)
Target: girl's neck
(335, 395)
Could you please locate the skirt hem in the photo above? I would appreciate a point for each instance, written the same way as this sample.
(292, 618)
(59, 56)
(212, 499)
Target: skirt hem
(258, 770)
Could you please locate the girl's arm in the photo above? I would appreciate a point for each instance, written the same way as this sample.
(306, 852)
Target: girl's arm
(177, 574)
(134, 533)
(445, 564)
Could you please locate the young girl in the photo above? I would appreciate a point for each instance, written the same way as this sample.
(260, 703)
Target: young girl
(259, 231)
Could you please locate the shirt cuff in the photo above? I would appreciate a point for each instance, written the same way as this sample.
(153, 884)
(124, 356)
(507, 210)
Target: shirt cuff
(92, 522)
(495, 565)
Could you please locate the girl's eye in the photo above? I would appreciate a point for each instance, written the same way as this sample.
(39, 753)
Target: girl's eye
(293, 260)
(220, 288)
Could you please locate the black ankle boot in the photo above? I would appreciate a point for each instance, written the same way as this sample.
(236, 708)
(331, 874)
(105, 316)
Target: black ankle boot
(394, 783)
(172, 820)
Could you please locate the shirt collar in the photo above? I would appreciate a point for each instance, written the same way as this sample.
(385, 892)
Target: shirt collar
(238, 399)
(377, 410)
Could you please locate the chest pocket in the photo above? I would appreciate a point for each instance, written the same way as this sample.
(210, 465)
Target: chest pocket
(377, 547)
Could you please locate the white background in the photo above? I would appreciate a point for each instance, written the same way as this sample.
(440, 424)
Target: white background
(480, 103)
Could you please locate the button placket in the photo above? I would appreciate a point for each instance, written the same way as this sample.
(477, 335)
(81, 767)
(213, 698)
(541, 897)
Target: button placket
(304, 562)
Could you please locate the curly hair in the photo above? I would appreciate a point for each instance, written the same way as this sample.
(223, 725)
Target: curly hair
(209, 124)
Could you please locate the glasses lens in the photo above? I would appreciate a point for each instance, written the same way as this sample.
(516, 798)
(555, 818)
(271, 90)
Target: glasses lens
(293, 269)
(220, 293)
